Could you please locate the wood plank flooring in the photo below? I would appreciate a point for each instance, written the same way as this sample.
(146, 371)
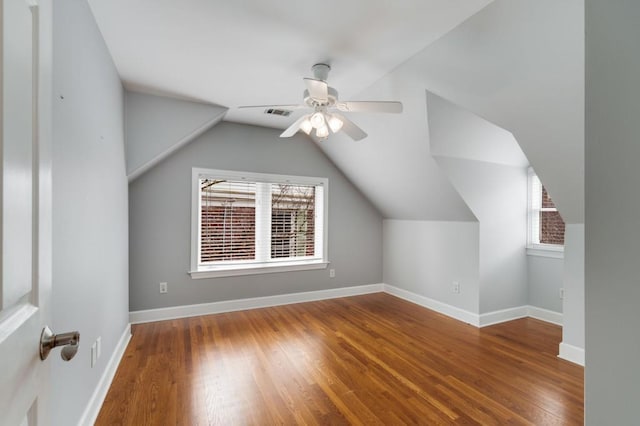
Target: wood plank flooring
(372, 359)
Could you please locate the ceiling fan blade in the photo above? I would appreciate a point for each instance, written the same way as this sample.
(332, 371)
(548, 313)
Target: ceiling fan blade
(293, 129)
(274, 106)
(350, 128)
(370, 106)
(318, 89)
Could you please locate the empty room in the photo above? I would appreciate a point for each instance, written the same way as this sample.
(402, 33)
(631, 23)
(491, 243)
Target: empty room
(288, 212)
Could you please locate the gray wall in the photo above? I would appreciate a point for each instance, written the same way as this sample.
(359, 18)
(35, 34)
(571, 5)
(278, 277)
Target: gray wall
(544, 276)
(425, 257)
(160, 209)
(89, 205)
(573, 278)
(612, 386)
(497, 195)
(157, 125)
(458, 133)
(488, 169)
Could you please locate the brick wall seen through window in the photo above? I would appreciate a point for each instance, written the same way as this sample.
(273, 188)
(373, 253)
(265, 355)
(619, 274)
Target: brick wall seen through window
(551, 223)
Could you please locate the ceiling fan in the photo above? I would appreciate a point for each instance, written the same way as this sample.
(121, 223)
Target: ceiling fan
(323, 101)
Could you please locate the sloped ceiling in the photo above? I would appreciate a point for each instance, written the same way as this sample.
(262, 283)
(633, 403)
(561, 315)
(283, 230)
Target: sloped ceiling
(157, 126)
(457, 133)
(516, 63)
(393, 167)
(233, 53)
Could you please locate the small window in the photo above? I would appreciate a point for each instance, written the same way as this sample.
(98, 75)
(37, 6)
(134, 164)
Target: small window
(249, 223)
(546, 227)
(551, 223)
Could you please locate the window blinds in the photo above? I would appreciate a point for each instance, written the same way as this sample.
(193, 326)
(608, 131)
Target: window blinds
(227, 221)
(536, 205)
(292, 220)
(257, 222)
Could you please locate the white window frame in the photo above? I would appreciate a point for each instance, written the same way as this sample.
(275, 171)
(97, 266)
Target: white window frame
(319, 261)
(534, 246)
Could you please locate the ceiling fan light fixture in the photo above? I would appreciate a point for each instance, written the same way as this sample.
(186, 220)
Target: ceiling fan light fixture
(322, 131)
(317, 120)
(324, 109)
(306, 126)
(335, 124)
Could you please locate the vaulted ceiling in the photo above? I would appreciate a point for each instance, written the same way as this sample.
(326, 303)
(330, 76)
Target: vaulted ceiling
(516, 63)
(251, 52)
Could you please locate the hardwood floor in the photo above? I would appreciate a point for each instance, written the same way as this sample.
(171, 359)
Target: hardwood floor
(372, 359)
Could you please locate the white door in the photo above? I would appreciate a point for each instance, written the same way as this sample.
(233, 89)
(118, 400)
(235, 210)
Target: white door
(25, 208)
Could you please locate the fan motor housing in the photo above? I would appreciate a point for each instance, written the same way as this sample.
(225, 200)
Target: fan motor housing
(321, 71)
(332, 98)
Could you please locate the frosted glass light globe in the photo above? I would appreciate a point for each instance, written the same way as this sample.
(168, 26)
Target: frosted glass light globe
(317, 120)
(306, 126)
(335, 124)
(322, 132)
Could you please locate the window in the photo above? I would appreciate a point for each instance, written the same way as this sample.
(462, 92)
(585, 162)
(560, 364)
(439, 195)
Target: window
(546, 227)
(250, 223)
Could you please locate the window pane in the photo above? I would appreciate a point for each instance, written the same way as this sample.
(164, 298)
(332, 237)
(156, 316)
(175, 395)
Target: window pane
(228, 214)
(551, 228)
(551, 223)
(546, 199)
(292, 220)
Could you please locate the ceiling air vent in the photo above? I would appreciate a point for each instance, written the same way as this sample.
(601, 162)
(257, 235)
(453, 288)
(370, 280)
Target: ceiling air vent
(280, 112)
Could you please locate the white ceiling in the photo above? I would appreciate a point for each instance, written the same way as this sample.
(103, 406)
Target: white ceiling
(251, 52)
(517, 63)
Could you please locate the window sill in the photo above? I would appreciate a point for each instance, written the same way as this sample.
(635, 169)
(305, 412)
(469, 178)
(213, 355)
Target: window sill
(556, 252)
(264, 268)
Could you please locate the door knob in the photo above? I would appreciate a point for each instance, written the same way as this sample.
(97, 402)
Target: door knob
(70, 342)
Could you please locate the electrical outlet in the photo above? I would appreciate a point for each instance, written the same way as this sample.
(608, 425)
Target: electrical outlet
(94, 354)
(163, 287)
(455, 287)
(561, 293)
(332, 273)
(98, 347)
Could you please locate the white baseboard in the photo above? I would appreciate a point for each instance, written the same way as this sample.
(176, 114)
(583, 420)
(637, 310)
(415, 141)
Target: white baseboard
(174, 312)
(503, 315)
(443, 308)
(92, 410)
(478, 320)
(545, 315)
(571, 353)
